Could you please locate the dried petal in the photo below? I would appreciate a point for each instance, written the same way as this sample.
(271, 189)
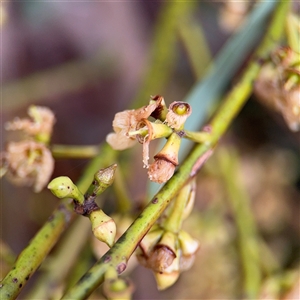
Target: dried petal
(126, 121)
(154, 131)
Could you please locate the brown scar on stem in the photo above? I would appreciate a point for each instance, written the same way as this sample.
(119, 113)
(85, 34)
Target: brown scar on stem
(200, 161)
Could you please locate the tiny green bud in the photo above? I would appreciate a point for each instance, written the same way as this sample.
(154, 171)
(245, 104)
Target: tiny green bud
(103, 227)
(104, 178)
(120, 288)
(63, 187)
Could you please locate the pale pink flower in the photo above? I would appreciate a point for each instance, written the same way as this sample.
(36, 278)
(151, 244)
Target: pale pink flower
(28, 163)
(40, 125)
(126, 121)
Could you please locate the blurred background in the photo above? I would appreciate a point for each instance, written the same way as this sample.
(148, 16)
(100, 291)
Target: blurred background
(88, 60)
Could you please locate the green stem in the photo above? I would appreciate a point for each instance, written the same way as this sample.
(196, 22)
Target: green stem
(61, 263)
(293, 31)
(32, 256)
(195, 43)
(248, 240)
(197, 136)
(72, 151)
(123, 199)
(163, 52)
(119, 254)
(174, 220)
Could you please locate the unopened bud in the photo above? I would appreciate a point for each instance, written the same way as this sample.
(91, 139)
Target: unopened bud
(63, 187)
(120, 288)
(151, 238)
(165, 280)
(104, 178)
(191, 199)
(103, 227)
(177, 114)
(188, 245)
(164, 253)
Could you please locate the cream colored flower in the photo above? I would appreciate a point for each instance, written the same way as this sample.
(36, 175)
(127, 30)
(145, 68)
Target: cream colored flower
(126, 121)
(28, 163)
(40, 125)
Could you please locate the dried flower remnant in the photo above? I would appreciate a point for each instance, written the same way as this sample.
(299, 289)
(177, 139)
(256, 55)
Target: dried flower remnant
(148, 131)
(177, 114)
(161, 171)
(167, 255)
(278, 86)
(161, 111)
(28, 163)
(126, 121)
(40, 125)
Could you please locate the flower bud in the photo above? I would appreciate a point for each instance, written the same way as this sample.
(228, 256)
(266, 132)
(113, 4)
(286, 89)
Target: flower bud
(177, 114)
(163, 254)
(103, 227)
(188, 245)
(63, 187)
(165, 280)
(104, 178)
(120, 288)
(191, 199)
(151, 239)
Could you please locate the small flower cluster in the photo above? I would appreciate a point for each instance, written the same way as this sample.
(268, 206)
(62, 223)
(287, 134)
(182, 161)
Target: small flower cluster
(29, 162)
(131, 126)
(278, 85)
(167, 249)
(103, 226)
(167, 254)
